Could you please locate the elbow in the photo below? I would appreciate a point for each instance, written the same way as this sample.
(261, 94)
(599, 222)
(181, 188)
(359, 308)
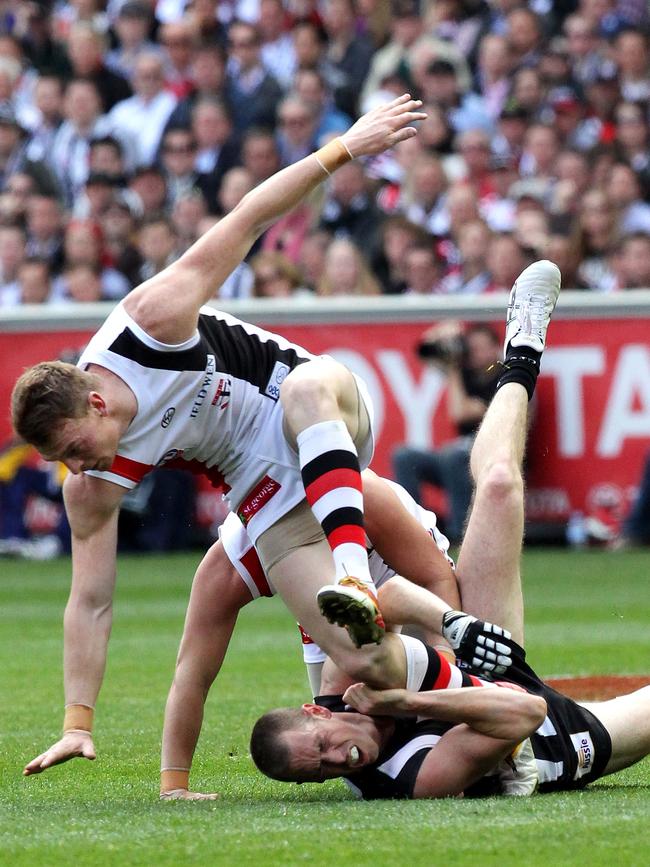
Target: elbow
(533, 714)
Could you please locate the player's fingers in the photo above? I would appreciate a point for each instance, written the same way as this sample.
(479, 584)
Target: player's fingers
(88, 751)
(34, 767)
(410, 107)
(401, 135)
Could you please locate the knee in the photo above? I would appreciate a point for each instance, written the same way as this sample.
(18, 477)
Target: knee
(501, 481)
(307, 391)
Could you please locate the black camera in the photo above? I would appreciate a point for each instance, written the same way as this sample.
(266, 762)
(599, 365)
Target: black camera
(446, 350)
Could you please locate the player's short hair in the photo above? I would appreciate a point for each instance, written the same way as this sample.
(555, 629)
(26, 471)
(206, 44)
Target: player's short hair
(270, 750)
(45, 396)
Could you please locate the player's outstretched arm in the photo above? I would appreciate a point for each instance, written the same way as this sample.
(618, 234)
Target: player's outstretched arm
(167, 306)
(92, 509)
(218, 594)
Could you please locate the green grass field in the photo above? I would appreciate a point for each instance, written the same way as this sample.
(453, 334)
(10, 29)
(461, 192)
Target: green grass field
(587, 613)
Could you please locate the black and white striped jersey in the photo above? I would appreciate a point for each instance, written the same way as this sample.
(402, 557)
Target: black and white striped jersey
(209, 404)
(571, 747)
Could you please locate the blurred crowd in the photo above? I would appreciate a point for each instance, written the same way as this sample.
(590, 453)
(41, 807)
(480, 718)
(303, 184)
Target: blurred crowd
(130, 127)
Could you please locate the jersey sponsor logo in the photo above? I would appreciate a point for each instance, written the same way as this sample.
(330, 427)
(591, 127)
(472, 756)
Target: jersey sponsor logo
(199, 400)
(171, 455)
(221, 398)
(278, 376)
(584, 747)
(257, 498)
(168, 415)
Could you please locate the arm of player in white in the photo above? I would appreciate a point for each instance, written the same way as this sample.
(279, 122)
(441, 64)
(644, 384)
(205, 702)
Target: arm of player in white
(92, 506)
(167, 306)
(218, 594)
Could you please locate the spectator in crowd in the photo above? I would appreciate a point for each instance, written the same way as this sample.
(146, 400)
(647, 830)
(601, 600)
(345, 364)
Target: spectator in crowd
(632, 139)
(565, 252)
(13, 249)
(524, 35)
(624, 192)
(83, 244)
(470, 276)
(143, 116)
(118, 223)
(186, 216)
(632, 262)
(132, 27)
(95, 197)
(149, 186)
(217, 149)
(80, 283)
(177, 40)
(468, 361)
(15, 198)
(598, 234)
(208, 78)
(423, 270)
(236, 183)
(86, 48)
(398, 235)
(48, 102)
(275, 275)
(157, 244)
(349, 209)
(632, 57)
(83, 122)
(539, 159)
(465, 109)
(34, 30)
(347, 53)
(311, 87)
(278, 52)
(346, 271)
(178, 158)
(297, 121)
(423, 199)
(106, 157)
(636, 526)
(260, 155)
(33, 284)
(505, 261)
(528, 92)
(14, 157)
(45, 217)
(252, 91)
(586, 53)
(312, 257)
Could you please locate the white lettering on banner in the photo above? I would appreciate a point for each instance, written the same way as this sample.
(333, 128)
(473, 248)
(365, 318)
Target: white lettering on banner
(631, 381)
(418, 400)
(568, 366)
(361, 366)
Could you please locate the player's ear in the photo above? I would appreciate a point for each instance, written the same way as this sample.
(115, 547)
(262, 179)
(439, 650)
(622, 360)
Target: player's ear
(316, 710)
(96, 401)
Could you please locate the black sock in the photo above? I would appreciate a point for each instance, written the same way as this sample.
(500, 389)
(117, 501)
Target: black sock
(521, 365)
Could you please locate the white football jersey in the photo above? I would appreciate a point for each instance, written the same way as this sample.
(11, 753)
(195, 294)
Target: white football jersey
(210, 405)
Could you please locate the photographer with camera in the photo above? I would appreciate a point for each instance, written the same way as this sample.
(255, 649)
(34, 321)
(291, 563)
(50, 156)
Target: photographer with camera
(469, 358)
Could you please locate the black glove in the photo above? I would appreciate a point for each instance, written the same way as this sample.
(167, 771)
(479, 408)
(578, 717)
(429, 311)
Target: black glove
(478, 643)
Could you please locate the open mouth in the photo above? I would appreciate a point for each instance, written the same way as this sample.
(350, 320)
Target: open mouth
(355, 756)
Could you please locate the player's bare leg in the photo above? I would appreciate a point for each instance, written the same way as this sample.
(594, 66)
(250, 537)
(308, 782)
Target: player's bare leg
(327, 421)
(298, 577)
(627, 719)
(489, 561)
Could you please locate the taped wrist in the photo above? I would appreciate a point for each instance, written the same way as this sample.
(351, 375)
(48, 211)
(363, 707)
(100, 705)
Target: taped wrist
(174, 778)
(78, 717)
(333, 155)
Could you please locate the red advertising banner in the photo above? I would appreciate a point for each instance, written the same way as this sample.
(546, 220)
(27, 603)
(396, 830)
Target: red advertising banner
(592, 420)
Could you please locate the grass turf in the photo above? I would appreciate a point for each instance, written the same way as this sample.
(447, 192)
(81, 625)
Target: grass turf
(587, 613)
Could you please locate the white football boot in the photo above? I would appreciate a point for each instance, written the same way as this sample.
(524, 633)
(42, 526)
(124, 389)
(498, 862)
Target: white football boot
(532, 301)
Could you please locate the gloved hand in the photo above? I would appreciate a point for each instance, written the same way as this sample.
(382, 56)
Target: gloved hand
(483, 645)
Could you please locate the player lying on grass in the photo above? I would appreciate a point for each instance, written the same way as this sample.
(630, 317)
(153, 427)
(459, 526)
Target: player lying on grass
(423, 742)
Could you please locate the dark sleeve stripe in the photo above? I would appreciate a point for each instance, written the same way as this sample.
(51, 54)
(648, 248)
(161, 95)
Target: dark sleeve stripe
(246, 355)
(129, 346)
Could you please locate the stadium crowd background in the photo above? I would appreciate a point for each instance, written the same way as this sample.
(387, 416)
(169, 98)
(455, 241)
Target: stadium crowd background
(127, 129)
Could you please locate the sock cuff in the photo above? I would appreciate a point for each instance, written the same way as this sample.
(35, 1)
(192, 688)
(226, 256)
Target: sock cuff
(324, 436)
(417, 661)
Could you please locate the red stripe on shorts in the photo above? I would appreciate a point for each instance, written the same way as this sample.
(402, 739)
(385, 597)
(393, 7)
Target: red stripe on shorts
(340, 478)
(444, 675)
(251, 562)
